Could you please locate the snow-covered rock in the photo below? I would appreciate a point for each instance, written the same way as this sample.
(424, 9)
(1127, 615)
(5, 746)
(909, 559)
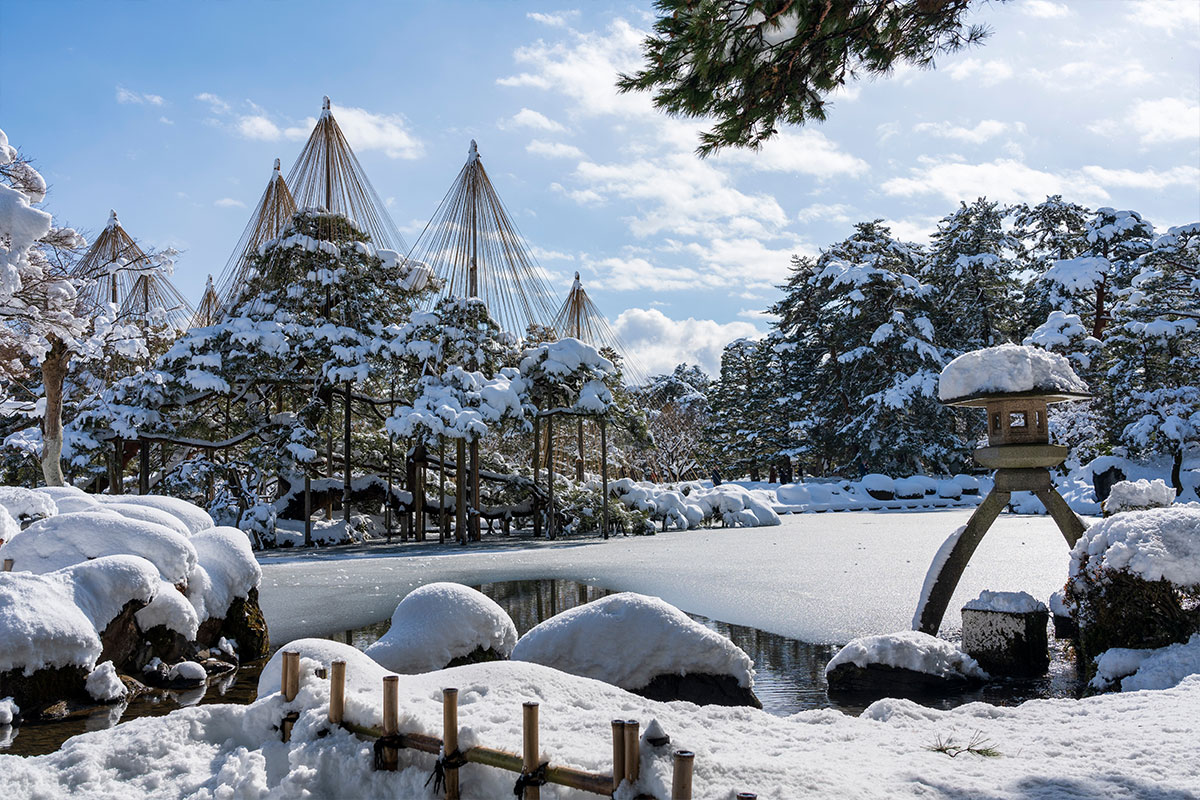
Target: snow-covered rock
(103, 684)
(26, 504)
(195, 518)
(900, 654)
(225, 569)
(628, 640)
(148, 513)
(8, 710)
(440, 623)
(1008, 368)
(187, 671)
(1139, 494)
(1159, 668)
(170, 609)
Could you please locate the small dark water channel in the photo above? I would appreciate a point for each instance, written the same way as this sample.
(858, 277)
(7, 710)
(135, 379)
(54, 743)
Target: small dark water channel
(790, 674)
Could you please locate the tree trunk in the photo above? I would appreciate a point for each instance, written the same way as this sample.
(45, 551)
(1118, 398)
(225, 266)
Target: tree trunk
(54, 373)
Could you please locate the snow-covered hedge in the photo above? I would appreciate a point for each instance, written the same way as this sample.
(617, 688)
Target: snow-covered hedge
(1154, 544)
(689, 505)
(1138, 495)
(440, 622)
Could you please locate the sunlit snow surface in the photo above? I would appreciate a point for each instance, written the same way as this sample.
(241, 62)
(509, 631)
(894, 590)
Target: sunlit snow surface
(822, 578)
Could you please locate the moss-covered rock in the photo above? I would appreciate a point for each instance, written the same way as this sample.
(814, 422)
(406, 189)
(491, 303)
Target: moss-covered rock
(45, 687)
(244, 623)
(479, 655)
(701, 689)
(121, 640)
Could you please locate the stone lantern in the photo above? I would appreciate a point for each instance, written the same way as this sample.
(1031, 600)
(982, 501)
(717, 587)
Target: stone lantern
(1014, 385)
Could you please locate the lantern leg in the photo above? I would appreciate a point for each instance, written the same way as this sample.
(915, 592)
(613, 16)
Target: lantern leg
(1072, 526)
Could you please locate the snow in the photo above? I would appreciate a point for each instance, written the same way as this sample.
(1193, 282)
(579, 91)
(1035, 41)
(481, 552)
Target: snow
(149, 514)
(1155, 544)
(734, 505)
(67, 539)
(9, 527)
(54, 619)
(26, 503)
(226, 569)
(910, 650)
(187, 670)
(8, 710)
(1007, 602)
(103, 685)
(171, 609)
(69, 498)
(1160, 668)
(1139, 494)
(195, 518)
(440, 622)
(628, 639)
(1008, 368)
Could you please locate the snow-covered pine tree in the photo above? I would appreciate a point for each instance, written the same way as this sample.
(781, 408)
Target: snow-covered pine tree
(732, 426)
(1050, 231)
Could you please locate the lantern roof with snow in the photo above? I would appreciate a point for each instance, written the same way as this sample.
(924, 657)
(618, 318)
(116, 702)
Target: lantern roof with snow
(1009, 372)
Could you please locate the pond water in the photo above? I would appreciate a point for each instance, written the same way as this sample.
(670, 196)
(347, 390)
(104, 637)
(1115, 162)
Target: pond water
(790, 674)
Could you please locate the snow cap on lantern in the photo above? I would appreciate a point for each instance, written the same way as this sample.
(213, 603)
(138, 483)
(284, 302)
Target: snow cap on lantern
(1014, 383)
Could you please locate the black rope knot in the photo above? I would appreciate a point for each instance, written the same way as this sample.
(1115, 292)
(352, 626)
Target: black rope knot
(455, 760)
(535, 778)
(396, 742)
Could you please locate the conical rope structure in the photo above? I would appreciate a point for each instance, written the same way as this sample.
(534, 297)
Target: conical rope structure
(274, 209)
(115, 270)
(581, 319)
(209, 312)
(472, 244)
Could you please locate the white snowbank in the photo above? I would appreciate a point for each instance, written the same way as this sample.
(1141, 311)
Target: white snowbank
(440, 622)
(55, 619)
(1156, 543)
(195, 518)
(226, 569)
(103, 684)
(628, 639)
(9, 527)
(734, 505)
(69, 498)
(1139, 494)
(26, 503)
(170, 609)
(1008, 602)
(66, 539)
(911, 650)
(1160, 668)
(1008, 368)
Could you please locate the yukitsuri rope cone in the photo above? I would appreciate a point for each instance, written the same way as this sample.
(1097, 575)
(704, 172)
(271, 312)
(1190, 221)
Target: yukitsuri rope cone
(274, 209)
(209, 311)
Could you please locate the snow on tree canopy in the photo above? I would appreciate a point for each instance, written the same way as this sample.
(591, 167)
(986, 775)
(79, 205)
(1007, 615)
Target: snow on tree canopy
(1008, 368)
(910, 650)
(1154, 544)
(439, 622)
(628, 639)
(55, 619)
(66, 539)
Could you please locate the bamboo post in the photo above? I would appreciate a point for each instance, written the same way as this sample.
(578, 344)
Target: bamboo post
(530, 747)
(681, 780)
(618, 735)
(337, 691)
(632, 750)
(460, 491)
(291, 675)
(450, 738)
(537, 468)
(391, 718)
(8, 565)
(307, 509)
(550, 534)
(604, 476)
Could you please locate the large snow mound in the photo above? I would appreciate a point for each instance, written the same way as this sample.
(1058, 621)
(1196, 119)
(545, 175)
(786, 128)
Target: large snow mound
(1139, 494)
(1008, 368)
(54, 619)
(440, 622)
(147, 513)
(225, 570)
(1160, 668)
(66, 539)
(26, 504)
(628, 639)
(911, 650)
(1155, 544)
(69, 498)
(195, 518)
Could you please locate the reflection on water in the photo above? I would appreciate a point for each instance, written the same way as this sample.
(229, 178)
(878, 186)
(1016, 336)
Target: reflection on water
(789, 674)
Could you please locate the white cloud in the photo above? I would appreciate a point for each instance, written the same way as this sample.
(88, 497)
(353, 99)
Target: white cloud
(984, 72)
(984, 130)
(553, 149)
(1006, 180)
(258, 127)
(215, 104)
(637, 274)
(1166, 15)
(1147, 179)
(388, 133)
(757, 315)
(126, 96)
(541, 254)
(1044, 9)
(166, 121)
(585, 197)
(832, 212)
(528, 118)
(1170, 119)
(558, 20)
(658, 342)
(229, 202)
(747, 263)
(806, 152)
(1071, 76)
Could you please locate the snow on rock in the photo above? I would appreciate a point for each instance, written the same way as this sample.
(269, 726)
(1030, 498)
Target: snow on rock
(54, 619)
(226, 569)
(187, 671)
(1008, 368)
(69, 498)
(364, 678)
(103, 685)
(26, 504)
(1160, 668)
(9, 527)
(8, 710)
(171, 609)
(440, 622)
(66, 539)
(149, 514)
(628, 639)
(1155, 544)
(910, 650)
(1007, 602)
(1139, 494)
(195, 518)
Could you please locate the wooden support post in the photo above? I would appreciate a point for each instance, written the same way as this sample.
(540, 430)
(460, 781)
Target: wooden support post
(460, 491)
(579, 458)
(337, 691)
(618, 735)
(530, 747)
(476, 500)
(290, 681)
(443, 517)
(143, 467)
(550, 532)
(346, 462)
(8, 565)
(419, 492)
(633, 753)
(604, 476)
(391, 718)
(537, 469)
(117, 479)
(387, 506)
(329, 457)
(308, 540)
(450, 738)
(410, 478)
(681, 780)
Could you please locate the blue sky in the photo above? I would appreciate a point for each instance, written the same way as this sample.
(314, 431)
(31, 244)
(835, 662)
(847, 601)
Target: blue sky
(172, 114)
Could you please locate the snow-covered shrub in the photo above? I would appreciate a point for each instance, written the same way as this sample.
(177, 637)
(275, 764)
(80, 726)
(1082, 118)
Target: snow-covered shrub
(441, 625)
(1138, 496)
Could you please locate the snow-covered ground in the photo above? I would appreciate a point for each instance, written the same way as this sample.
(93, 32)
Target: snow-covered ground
(822, 578)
